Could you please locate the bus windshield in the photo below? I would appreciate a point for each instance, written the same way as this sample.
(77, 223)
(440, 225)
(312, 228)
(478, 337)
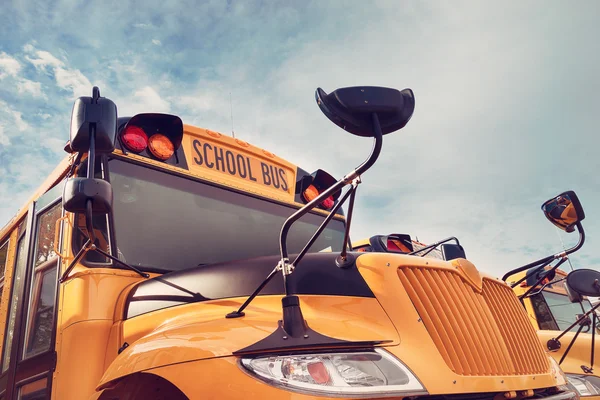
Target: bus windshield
(555, 311)
(166, 222)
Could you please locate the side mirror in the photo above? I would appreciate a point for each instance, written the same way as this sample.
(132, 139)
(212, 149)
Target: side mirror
(564, 211)
(585, 282)
(574, 297)
(452, 251)
(93, 129)
(533, 277)
(351, 108)
(93, 124)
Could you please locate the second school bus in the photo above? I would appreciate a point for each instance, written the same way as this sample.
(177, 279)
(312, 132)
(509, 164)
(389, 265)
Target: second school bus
(137, 271)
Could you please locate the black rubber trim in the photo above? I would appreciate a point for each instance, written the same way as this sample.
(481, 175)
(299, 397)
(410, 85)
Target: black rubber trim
(316, 274)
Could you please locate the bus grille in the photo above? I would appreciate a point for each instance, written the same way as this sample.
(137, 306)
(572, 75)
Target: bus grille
(485, 333)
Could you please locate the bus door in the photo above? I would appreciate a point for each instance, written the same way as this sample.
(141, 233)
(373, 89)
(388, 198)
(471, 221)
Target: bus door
(29, 357)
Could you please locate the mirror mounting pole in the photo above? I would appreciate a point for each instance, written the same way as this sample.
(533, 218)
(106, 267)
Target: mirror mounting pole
(543, 261)
(343, 261)
(544, 275)
(284, 264)
(583, 321)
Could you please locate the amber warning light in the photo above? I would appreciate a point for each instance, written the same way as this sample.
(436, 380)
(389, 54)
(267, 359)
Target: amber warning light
(153, 135)
(316, 183)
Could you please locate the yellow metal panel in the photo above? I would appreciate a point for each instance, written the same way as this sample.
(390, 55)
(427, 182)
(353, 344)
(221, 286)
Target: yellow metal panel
(200, 331)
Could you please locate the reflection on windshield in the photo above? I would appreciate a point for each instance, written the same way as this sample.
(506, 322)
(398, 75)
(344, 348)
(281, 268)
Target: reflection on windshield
(173, 223)
(560, 310)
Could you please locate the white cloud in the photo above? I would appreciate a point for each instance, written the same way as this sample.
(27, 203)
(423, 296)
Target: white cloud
(11, 117)
(142, 25)
(4, 140)
(43, 59)
(70, 79)
(9, 66)
(143, 100)
(33, 88)
(54, 144)
(156, 42)
(74, 80)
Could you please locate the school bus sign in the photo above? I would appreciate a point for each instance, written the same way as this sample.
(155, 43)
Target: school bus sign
(232, 160)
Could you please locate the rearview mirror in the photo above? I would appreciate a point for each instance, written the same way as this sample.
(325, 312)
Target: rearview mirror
(564, 211)
(93, 116)
(586, 282)
(352, 108)
(574, 297)
(452, 251)
(93, 129)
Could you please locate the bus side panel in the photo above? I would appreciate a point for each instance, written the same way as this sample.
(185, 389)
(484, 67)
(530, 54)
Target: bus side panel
(85, 318)
(81, 359)
(6, 290)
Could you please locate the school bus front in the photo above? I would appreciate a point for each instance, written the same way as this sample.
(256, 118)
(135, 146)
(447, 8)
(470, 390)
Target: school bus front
(133, 303)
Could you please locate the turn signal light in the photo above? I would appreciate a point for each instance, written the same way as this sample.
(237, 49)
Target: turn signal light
(161, 147)
(152, 135)
(313, 185)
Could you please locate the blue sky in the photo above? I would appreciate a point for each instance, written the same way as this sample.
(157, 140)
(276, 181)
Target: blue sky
(507, 98)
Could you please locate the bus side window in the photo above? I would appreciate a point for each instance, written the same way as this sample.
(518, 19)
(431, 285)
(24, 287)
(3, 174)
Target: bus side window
(543, 314)
(42, 292)
(17, 282)
(3, 257)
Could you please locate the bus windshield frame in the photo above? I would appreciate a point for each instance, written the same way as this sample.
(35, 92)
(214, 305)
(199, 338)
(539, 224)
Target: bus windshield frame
(548, 307)
(192, 215)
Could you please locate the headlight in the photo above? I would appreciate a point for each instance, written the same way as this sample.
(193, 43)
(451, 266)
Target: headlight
(557, 370)
(586, 385)
(352, 374)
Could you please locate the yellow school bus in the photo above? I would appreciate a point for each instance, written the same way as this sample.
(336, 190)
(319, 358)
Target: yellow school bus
(566, 323)
(165, 261)
(551, 312)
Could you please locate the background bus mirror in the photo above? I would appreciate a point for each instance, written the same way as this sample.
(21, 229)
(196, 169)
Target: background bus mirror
(574, 297)
(398, 243)
(93, 113)
(532, 278)
(351, 108)
(452, 251)
(586, 282)
(564, 211)
(78, 191)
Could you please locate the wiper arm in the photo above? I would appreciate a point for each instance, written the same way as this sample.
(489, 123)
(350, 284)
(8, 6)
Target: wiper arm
(433, 246)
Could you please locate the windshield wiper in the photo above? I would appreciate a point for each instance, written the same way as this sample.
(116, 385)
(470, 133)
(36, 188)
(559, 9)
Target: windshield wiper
(433, 246)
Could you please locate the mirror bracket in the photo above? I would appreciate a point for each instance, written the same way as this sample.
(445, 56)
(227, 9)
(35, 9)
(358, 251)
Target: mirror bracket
(583, 321)
(541, 263)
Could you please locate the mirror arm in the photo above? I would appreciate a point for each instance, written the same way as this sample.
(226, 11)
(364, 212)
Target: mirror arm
(546, 260)
(558, 264)
(431, 247)
(554, 343)
(323, 224)
(352, 191)
(334, 188)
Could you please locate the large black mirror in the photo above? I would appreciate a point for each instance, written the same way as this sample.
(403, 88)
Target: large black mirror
(564, 211)
(93, 123)
(351, 108)
(586, 282)
(451, 251)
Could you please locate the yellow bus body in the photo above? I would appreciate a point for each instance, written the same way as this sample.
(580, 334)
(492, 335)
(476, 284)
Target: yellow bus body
(457, 330)
(580, 352)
